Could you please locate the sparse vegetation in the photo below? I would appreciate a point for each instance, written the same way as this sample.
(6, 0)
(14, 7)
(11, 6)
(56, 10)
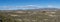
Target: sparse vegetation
(33, 16)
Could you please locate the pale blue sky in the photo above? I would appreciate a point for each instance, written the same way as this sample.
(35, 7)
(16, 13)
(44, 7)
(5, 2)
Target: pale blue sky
(20, 4)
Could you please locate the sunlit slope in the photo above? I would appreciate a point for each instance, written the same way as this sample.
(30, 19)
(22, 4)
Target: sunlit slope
(30, 16)
(34, 16)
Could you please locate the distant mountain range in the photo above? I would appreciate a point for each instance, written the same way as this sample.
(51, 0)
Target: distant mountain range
(45, 9)
(39, 9)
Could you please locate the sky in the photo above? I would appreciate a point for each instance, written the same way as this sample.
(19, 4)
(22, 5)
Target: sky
(28, 4)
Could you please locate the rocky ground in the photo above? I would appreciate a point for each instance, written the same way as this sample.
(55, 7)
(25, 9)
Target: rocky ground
(30, 17)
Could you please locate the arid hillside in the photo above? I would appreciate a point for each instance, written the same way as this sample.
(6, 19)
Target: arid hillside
(30, 16)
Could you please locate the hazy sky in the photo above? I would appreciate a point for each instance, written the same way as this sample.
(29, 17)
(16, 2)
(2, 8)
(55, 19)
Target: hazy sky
(20, 4)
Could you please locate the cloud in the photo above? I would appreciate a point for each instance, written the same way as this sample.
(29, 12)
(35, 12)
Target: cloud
(24, 7)
(50, 6)
(20, 7)
(29, 6)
